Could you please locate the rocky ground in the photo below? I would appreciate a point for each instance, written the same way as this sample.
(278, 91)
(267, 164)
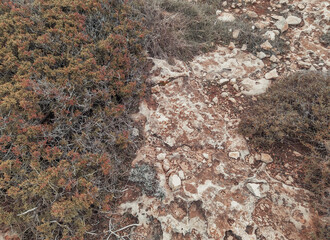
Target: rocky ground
(216, 186)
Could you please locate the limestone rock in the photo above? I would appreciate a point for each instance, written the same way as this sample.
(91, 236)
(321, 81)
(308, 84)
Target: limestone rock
(252, 14)
(174, 182)
(236, 33)
(266, 45)
(272, 74)
(261, 55)
(293, 20)
(254, 189)
(161, 156)
(231, 46)
(234, 155)
(226, 17)
(270, 35)
(266, 158)
(282, 25)
(255, 87)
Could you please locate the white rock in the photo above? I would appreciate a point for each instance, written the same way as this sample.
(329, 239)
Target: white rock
(181, 175)
(272, 74)
(174, 182)
(236, 33)
(252, 14)
(282, 25)
(301, 6)
(135, 132)
(293, 20)
(234, 155)
(251, 160)
(231, 46)
(266, 158)
(215, 100)
(273, 59)
(166, 165)
(261, 55)
(266, 45)
(224, 94)
(206, 155)
(270, 35)
(233, 100)
(161, 156)
(223, 80)
(244, 47)
(226, 17)
(254, 189)
(255, 87)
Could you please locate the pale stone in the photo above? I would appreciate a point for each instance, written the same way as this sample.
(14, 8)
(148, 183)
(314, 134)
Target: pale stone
(266, 45)
(255, 87)
(231, 46)
(174, 182)
(273, 59)
(181, 175)
(233, 100)
(135, 132)
(236, 33)
(224, 94)
(244, 47)
(297, 154)
(254, 189)
(223, 80)
(161, 156)
(293, 20)
(226, 17)
(234, 155)
(261, 55)
(252, 14)
(266, 158)
(206, 155)
(282, 25)
(272, 74)
(301, 6)
(270, 35)
(215, 100)
(166, 165)
(251, 160)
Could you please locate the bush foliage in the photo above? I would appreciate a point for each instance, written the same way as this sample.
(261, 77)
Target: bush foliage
(296, 110)
(183, 29)
(70, 73)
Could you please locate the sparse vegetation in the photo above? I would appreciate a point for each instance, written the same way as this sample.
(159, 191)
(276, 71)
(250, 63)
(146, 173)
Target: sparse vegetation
(145, 176)
(325, 39)
(182, 29)
(296, 110)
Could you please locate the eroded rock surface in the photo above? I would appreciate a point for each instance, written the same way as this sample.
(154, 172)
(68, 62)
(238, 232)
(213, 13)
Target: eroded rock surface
(204, 166)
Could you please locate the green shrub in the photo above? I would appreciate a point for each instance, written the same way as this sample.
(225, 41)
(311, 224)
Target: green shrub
(70, 73)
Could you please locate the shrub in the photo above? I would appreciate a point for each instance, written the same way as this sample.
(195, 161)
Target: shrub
(182, 29)
(296, 110)
(145, 176)
(70, 73)
(325, 38)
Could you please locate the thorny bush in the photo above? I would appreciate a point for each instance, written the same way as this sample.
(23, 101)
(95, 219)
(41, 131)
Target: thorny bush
(70, 73)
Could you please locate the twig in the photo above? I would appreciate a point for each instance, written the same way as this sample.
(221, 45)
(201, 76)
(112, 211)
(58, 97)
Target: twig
(30, 210)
